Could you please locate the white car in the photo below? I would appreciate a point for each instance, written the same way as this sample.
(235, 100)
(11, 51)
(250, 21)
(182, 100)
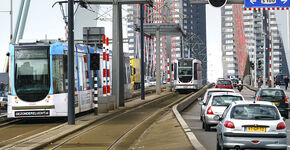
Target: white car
(208, 94)
(216, 105)
(251, 125)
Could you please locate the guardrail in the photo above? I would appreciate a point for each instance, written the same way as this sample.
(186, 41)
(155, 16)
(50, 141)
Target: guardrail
(255, 89)
(183, 105)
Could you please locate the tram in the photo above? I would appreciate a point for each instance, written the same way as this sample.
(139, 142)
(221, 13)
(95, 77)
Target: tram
(38, 81)
(187, 74)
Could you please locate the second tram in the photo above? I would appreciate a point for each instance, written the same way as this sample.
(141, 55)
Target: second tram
(187, 74)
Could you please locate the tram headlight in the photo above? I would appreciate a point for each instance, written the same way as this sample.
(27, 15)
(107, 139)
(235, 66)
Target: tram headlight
(16, 99)
(47, 99)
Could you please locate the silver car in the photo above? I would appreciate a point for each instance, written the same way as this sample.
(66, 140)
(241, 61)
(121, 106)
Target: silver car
(251, 124)
(216, 105)
(207, 96)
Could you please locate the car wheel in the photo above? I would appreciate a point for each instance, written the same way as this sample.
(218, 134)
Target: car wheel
(202, 125)
(206, 127)
(218, 147)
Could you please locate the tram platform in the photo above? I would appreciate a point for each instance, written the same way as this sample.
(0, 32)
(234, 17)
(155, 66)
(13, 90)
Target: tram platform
(163, 134)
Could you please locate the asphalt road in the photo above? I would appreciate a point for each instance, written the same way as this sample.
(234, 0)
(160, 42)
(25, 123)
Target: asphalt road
(208, 139)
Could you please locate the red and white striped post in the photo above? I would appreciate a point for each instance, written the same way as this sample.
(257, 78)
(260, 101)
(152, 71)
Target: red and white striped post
(108, 69)
(270, 51)
(168, 71)
(104, 73)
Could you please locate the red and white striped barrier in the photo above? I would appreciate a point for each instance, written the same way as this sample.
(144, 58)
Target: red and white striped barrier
(168, 70)
(104, 73)
(108, 74)
(270, 49)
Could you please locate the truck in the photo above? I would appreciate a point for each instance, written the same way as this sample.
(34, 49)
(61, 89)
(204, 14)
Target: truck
(135, 73)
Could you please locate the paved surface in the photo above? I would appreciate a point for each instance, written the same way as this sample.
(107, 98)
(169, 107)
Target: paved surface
(208, 139)
(167, 131)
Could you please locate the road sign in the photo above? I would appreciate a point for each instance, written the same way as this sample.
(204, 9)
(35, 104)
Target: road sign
(266, 3)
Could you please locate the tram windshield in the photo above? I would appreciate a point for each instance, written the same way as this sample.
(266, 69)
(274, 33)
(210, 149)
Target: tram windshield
(185, 71)
(32, 81)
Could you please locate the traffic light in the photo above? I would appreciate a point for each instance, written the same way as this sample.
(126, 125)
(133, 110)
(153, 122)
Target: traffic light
(217, 3)
(95, 62)
(259, 64)
(252, 65)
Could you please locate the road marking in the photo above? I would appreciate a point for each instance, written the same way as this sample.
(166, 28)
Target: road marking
(196, 128)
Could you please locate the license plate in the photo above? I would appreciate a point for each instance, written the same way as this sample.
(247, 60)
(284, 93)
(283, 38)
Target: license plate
(276, 103)
(2, 105)
(32, 113)
(255, 129)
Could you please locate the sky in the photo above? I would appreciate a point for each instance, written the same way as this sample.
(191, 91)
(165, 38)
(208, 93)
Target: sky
(46, 22)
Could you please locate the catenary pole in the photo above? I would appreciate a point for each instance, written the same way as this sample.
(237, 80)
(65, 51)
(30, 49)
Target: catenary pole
(158, 80)
(142, 51)
(71, 108)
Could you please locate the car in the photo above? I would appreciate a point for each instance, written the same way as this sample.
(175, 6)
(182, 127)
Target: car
(216, 105)
(147, 83)
(279, 79)
(276, 96)
(251, 125)
(207, 96)
(225, 83)
(3, 101)
(152, 82)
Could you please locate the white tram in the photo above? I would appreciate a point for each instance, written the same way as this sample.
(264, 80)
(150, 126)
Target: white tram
(38, 79)
(187, 74)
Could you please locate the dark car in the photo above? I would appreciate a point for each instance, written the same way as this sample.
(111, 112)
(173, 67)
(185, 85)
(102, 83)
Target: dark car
(225, 83)
(276, 96)
(279, 79)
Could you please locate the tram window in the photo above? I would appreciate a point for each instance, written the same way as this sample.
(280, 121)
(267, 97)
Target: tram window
(58, 70)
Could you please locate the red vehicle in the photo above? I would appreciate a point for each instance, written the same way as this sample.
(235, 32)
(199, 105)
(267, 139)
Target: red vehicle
(225, 83)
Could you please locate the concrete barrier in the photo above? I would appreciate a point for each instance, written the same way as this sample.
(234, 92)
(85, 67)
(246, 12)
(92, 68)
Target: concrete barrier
(183, 105)
(255, 89)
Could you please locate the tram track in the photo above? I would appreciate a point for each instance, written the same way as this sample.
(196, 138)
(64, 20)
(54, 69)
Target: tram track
(131, 125)
(13, 130)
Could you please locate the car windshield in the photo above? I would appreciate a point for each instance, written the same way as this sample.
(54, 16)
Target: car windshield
(255, 112)
(225, 100)
(235, 81)
(224, 82)
(271, 94)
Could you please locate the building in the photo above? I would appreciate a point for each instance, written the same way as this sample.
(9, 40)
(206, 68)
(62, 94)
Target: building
(194, 24)
(164, 12)
(230, 66)
(251, 40)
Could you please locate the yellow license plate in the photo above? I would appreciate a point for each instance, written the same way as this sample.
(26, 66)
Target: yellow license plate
(2, 105)
(276, 103)
(256, 129)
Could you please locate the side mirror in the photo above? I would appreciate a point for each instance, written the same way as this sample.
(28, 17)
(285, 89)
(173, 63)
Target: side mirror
(217, 118)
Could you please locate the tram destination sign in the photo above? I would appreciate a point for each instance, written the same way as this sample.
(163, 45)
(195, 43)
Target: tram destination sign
(266, 3)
